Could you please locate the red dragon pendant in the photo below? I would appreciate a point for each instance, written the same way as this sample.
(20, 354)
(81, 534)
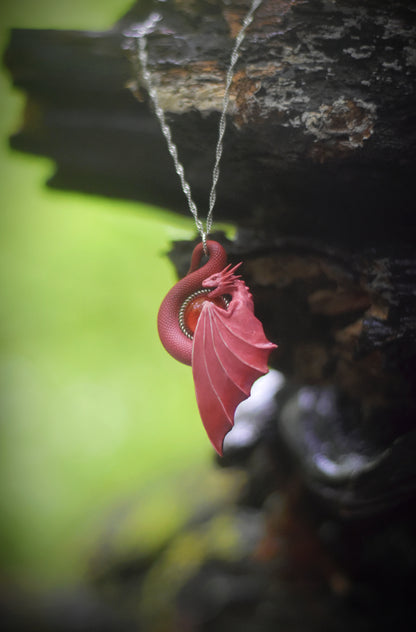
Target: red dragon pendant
(207, 321)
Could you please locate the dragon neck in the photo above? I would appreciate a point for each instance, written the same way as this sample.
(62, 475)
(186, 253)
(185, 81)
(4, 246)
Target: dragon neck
(170, 333)
(217, 260)
(241, 295)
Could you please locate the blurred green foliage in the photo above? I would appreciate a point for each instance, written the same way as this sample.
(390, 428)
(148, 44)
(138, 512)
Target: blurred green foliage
(93, 409)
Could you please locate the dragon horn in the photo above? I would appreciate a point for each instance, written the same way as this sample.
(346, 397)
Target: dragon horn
(236, 267)
(229, 270)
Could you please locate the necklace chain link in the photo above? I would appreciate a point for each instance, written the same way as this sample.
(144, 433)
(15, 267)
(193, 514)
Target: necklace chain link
(141, 33)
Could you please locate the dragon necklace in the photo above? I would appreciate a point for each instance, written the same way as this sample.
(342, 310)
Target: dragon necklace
(207, 319)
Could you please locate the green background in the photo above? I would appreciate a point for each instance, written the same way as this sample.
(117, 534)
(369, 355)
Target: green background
(94, 412)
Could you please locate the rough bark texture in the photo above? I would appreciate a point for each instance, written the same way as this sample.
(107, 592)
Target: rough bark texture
(318, 175)
(321, 142)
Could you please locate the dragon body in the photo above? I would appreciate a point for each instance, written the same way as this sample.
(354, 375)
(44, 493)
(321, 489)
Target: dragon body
(175, 341)
(207, 320)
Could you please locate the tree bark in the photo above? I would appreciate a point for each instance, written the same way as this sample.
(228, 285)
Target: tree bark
(321, 141)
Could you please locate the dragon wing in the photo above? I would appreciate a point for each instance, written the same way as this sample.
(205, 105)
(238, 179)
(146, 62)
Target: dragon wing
(230, 351)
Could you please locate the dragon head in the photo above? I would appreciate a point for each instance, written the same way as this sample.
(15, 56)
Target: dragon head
(223, 282)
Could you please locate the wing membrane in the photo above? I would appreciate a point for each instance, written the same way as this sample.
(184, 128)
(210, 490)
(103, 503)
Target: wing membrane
(230, 351)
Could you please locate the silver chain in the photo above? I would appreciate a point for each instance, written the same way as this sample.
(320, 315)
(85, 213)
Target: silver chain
(141, 33)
